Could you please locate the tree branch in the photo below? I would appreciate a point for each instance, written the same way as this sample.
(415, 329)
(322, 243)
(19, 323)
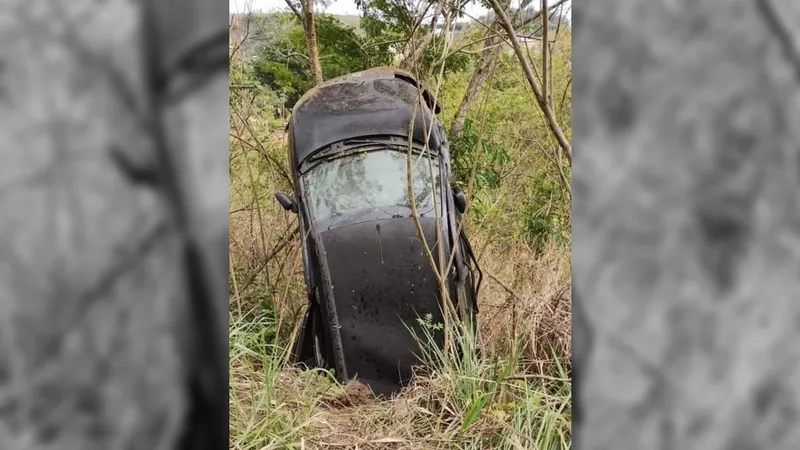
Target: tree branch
(296, 12)
(528, 71)
(284, 242)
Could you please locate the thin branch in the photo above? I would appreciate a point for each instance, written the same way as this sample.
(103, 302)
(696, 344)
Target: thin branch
(279, 248)
(564, 95)
(529, 376)
(528, 71)
(545, 63)
(503, 285)
(261, 148)
(244, 38)
(394, 41)
(296, 12)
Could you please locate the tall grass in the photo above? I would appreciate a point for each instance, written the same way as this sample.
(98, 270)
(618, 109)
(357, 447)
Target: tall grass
(264, 413)
(474, 401)
(515, 394)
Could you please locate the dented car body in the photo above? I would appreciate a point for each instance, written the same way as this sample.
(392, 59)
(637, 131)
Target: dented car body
(368, 275)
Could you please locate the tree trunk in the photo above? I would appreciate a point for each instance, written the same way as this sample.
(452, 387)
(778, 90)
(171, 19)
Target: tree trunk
(479, 77)
(311, 40)
(101, 294)
(489, 55)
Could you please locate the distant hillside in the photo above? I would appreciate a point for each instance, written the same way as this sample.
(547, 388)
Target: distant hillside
(258, 26)
(238, 20)
(352, 20)
(262, 25)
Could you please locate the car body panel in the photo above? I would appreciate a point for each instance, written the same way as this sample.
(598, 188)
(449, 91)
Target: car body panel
(368, 277)
(374, 103)
(383, 282)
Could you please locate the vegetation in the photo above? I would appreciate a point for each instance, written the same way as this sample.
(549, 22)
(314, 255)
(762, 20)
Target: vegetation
(517, 395)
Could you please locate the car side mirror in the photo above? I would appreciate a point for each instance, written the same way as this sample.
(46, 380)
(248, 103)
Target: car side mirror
(460, 199)
(287, 202)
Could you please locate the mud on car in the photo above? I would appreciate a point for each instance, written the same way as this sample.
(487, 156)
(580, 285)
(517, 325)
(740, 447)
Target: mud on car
(368, 276)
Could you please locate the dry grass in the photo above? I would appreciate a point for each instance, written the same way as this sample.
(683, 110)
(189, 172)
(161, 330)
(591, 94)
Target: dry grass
(517, 397)
(526, 297)
(276, 407)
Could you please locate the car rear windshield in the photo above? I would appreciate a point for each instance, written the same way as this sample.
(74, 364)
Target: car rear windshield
(372, 180)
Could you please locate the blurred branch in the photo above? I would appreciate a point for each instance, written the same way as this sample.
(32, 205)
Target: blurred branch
(775, 25)
(71, 40)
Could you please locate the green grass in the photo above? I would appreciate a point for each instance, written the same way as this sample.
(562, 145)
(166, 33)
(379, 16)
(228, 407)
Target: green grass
(516, 396)
(469, 403)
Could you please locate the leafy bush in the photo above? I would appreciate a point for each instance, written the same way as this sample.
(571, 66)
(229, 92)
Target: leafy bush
(544, 214)
(283, 66)
(486, 159)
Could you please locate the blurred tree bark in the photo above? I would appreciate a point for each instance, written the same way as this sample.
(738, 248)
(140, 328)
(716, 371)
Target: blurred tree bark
(686, 224)
(98, 311)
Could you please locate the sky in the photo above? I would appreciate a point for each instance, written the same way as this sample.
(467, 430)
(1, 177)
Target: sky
(348, 7)
(340, 7)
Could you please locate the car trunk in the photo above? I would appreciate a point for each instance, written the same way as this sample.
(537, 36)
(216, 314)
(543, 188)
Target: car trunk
(382, 282)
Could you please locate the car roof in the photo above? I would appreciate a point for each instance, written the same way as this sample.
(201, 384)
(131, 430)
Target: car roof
(374, 102)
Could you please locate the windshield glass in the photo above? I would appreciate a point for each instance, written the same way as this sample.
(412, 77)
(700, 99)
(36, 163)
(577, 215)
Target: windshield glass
(369, 180)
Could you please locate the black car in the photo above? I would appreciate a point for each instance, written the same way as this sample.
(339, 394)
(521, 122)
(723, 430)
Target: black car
(368, 275)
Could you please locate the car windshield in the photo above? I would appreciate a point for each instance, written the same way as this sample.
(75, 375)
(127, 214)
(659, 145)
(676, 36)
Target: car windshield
(368, 181)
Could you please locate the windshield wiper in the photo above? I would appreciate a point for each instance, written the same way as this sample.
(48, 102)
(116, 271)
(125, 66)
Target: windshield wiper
(334, 218)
